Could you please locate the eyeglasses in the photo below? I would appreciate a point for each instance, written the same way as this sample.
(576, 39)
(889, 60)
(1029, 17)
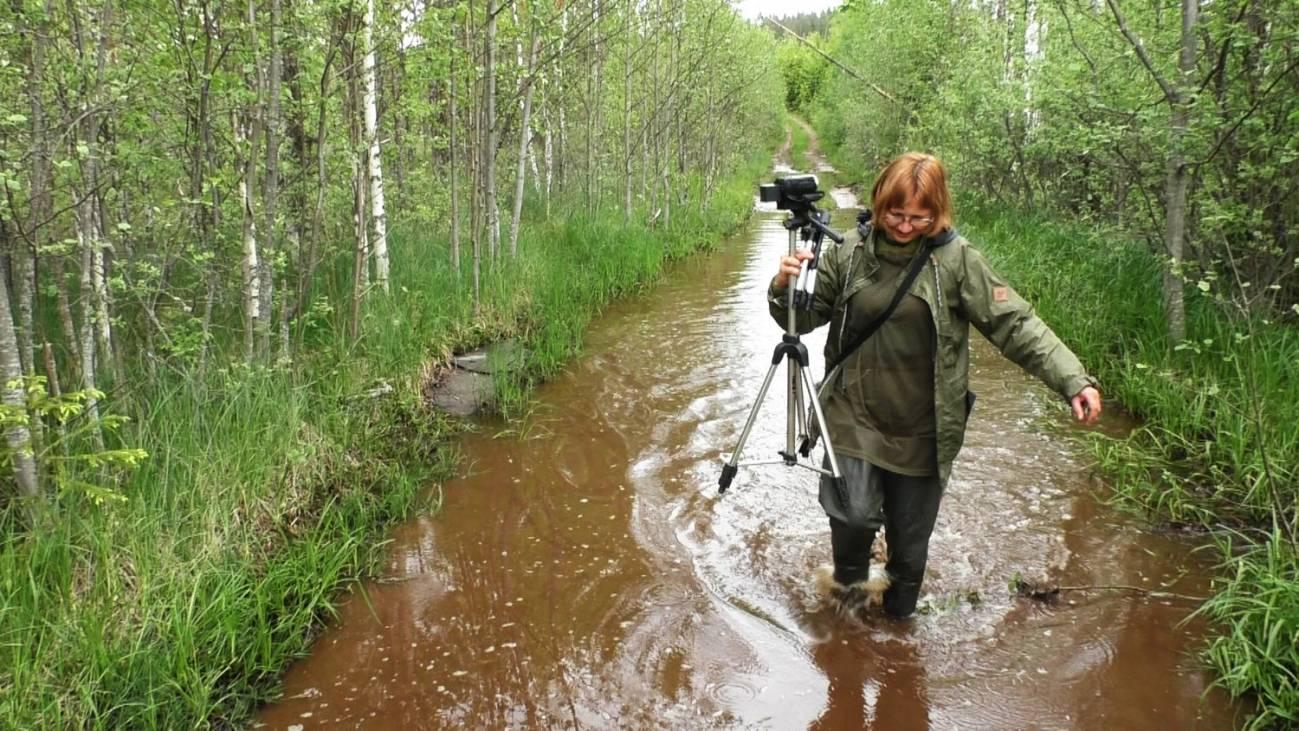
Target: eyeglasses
(897, 219)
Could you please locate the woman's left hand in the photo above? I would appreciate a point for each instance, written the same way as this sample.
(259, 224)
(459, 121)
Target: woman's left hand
(1087, 405)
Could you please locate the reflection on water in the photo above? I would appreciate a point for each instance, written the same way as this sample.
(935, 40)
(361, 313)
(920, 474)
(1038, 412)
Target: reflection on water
(591, 577)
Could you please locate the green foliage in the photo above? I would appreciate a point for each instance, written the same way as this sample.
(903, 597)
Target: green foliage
(804, 73)
(72, 455)
(1048, 106)
(1257, 605)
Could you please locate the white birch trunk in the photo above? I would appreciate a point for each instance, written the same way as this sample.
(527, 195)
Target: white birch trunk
(379, 245)
(251, 265)
(549, 156)
(271, 189)
(525, 138)
(87, 240)
(536, 172)
(18, 436)
(103, 324)
(489, 151)
(626, 116)
(454, 115)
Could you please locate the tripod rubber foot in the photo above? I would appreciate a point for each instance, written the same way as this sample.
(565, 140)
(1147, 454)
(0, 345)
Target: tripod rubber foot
(728, 474)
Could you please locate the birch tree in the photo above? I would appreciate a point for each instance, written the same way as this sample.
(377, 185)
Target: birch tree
(525, 139)
(18, 436)
(378, 212)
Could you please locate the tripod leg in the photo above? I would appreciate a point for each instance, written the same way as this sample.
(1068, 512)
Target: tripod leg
(840, 484)
(791, 418)
(802, 414)
(732, 467)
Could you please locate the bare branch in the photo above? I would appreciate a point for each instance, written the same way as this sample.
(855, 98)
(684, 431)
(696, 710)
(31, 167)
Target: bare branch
(1170, 93)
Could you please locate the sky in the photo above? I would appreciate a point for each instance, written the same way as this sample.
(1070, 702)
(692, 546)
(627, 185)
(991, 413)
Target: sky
(751, 9)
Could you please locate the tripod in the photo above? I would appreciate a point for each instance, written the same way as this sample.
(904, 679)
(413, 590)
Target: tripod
(809, 223)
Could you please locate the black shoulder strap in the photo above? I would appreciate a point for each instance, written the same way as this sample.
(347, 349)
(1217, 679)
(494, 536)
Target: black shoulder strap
(927, 245)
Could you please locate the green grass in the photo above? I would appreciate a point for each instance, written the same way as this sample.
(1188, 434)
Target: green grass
(268, 490)
(1256, 608)
(1218, 441)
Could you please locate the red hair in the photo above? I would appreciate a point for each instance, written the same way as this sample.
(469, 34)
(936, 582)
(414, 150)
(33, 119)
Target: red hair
(914, 175)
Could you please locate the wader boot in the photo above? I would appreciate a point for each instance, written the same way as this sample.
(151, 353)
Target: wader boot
(906, 506)
(854, 582)
(909, 515)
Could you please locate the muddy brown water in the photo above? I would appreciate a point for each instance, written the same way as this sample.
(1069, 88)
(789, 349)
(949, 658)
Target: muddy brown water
(588, 575)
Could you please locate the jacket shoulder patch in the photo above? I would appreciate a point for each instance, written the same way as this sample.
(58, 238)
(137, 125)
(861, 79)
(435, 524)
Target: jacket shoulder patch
(1001, 294)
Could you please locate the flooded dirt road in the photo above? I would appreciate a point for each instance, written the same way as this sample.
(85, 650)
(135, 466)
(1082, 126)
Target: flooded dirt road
(588, 576)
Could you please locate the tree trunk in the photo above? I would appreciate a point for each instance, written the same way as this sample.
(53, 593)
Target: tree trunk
(454, 124)
(548, 146)
(18, 436)
(271, 192)
(245, 144)
(491, 134)
(378, 213)
(87, 241)
(561, 139)
(525, 137)
(64, 307)
(55, 389)
(1176, 175)
(41, 179)
(630, 10)
(307, 270)
(211, 212)
(361, 257)
(298, 215)
(99, 277)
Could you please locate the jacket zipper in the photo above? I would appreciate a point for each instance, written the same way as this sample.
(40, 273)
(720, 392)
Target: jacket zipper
(938, 291)
(843, 321)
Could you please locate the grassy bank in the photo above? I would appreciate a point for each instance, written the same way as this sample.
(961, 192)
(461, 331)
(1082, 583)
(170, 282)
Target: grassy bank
(268, 491)
(1219, 443)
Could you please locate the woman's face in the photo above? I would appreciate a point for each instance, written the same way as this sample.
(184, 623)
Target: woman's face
(907, 222)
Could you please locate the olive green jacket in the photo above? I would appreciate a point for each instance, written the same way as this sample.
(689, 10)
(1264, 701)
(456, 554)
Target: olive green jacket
(961, 289)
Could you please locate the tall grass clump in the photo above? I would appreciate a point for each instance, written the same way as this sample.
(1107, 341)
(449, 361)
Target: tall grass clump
(176, 598)
(1256, 607)
(1218, 441)
(181, 604)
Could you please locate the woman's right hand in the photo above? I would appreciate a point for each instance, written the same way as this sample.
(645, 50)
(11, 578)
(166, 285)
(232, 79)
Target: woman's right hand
(789, 267)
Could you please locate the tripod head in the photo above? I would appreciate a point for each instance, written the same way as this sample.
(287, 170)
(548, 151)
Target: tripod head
(798, 194)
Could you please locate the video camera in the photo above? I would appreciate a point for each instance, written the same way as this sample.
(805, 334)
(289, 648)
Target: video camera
(791, 193)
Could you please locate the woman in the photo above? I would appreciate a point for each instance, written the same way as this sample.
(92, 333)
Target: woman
(896, 407)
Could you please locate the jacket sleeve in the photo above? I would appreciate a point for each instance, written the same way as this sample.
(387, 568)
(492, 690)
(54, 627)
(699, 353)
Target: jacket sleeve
(828, 284)
(1009, 322)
